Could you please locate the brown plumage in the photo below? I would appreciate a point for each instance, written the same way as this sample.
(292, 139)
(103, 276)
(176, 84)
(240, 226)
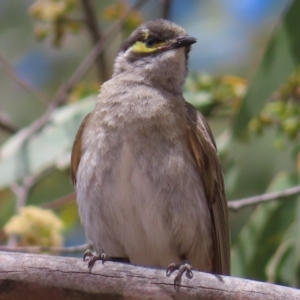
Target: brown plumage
(205, 152)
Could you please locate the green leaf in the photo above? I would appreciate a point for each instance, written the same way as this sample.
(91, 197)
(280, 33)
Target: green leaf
(263, 234)
(49, 147)
(281, 59)
(202, 100)
(198, 91)
(284, 265)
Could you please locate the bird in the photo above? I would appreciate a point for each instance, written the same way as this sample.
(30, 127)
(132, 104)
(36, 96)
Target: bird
(145, 166)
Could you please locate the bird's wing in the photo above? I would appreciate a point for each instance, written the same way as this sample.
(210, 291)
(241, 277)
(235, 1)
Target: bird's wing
(77, 150)
(203, 147)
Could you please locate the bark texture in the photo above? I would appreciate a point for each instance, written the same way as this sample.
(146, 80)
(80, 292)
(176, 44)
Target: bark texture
(35, 277)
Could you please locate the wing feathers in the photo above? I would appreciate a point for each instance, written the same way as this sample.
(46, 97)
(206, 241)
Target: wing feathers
(76, 150)
(203, 147)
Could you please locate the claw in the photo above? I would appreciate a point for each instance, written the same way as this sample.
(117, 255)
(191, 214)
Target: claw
(87, 253)
(182, 268)
(91, 258)
(171, 268)
(103, 257)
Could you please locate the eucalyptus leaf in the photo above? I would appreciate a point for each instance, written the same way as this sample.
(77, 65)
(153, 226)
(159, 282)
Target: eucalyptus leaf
(284, 265)
(263, 234)
(50, 146)
(281, 59)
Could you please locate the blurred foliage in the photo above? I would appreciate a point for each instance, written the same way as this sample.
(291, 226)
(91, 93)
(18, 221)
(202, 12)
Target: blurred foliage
(35, 226)
(116, 11)
(267, 246)
(265, 238)
(82, 91)
(54, 19)
(208, 93)
(21, 158)
(282, 112)
(281, 59)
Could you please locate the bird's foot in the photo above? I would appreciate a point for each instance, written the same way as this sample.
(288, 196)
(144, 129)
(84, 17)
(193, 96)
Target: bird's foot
(184, 267)
(93, 257)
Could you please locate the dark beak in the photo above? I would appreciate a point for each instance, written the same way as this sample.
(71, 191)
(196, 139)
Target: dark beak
(184, 41)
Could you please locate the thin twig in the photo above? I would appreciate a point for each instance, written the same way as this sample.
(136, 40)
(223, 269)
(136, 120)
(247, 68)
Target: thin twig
(166, 6)
(60, 202)
(53, 250)
(29, 87)
(238, 204)
(6, 124)
(22, 190)
(63, 91)
(92, 56)
(22, 193)
(232, 205)
(96, 35)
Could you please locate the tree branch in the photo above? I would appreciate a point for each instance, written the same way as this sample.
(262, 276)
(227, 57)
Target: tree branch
(64, 90)
(166, 6)
(91, 57)
(28, 276)
(6, 124)
(238, 204)
(22, 190)
(33, 90)
(94, 29)
(232, 205)
(60, 202)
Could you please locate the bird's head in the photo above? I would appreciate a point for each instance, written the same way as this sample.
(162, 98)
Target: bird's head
(156, 53)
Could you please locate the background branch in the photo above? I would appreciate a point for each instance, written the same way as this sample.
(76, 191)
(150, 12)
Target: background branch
(30, 88)
(6, 124)
(166, 6)
(234, 205)
(238, 204)
(60, 202)
(22, 190)
(64, 90)
(93, 54)
(96, 35)
(29, 276)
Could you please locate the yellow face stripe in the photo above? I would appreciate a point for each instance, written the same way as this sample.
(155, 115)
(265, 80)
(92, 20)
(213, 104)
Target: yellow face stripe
(140, 47)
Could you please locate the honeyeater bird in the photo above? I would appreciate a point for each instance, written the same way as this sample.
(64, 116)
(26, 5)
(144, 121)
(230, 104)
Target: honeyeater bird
(145, 166)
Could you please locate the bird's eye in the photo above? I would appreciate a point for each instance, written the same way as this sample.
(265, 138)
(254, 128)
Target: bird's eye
(150, 42)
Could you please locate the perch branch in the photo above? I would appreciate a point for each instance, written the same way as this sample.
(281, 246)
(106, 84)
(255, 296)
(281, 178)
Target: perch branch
(52, 250)
(35, 277)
